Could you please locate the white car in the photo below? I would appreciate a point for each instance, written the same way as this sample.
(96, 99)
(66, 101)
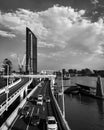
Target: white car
(40, 102)
(51, 123)
(40, 97)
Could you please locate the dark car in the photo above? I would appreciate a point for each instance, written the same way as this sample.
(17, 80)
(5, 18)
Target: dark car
(35, 120)
(32, 99)
(47, 99)
(24, 111)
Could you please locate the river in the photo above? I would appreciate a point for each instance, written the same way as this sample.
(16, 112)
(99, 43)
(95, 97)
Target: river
(83, 112)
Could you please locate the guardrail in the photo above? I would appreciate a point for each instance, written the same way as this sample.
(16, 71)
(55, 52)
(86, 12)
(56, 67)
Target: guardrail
(13, 97)
(10, 86)
(14, 114)
(63, 123)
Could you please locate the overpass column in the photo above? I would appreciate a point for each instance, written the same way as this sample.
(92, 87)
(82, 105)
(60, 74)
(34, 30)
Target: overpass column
(21, 96)
(99, 87)
(52, 81)
(26, 90)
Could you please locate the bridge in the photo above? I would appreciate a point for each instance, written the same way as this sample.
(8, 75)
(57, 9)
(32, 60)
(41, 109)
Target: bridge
(30, 85)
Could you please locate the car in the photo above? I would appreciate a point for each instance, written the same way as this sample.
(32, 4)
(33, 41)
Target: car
(35, 120)
(40, 97)
(51, 123)
(40, 102)
(32, 99)
(40, 85)
(47, 99)
(24, 111)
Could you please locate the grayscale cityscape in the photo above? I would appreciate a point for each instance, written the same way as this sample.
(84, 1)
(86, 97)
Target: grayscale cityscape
(52, 65)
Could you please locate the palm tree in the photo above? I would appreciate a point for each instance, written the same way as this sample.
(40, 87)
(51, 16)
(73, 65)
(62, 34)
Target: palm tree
(7, 65)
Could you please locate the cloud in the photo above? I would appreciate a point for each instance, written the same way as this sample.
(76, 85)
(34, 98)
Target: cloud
(6, 34)
(94, 2)
(60, 27)
(13, 55)
(45, 44)
(47, 25)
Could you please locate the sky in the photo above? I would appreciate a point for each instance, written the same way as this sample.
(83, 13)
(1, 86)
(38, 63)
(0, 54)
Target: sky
(67, 35)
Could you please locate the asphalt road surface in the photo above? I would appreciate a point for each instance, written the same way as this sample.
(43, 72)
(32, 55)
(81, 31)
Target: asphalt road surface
(22, 123)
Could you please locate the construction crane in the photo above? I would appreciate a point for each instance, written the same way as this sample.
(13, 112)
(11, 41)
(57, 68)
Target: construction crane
(21, 63)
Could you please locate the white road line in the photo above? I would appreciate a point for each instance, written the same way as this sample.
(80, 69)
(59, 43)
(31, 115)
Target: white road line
(43, 108)
(38, 111)
(30, 118)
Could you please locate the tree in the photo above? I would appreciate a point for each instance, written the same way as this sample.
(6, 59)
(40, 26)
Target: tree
(7, 65)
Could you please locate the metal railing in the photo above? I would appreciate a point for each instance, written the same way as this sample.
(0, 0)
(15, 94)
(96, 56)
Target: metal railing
(13, 97)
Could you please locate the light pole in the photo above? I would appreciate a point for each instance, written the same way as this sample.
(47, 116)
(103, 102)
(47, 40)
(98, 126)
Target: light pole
(63, 96)
(7, 87)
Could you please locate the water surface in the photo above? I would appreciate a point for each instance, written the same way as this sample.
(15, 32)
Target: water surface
(83, 112)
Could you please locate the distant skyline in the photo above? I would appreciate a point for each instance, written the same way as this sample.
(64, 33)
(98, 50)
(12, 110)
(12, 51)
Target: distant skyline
(67, 37)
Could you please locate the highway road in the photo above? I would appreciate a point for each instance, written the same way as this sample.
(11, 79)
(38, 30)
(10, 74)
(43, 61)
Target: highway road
(13, 89)
(22, 123)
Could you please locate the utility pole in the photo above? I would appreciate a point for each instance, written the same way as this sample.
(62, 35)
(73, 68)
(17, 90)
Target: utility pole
(63, 95)
(7, 87)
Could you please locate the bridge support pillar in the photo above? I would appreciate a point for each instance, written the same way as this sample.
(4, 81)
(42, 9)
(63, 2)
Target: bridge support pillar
(26, 91)
(52, 81)
(21, 96)
(99, 87)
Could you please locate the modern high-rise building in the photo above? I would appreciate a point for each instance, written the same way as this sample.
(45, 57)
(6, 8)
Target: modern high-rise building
(31, 52)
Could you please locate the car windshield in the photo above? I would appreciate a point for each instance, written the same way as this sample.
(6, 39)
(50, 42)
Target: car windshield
(39, 100)
(51, 122)
(26, 108)
(40, 96)
(35, 117)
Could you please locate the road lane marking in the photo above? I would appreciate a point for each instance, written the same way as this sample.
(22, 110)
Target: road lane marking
(37, 111)
(30, 118)
(43, 108)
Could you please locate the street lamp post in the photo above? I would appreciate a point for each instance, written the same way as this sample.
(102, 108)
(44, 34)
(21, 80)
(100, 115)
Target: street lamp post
(63, 96)
(7, 87)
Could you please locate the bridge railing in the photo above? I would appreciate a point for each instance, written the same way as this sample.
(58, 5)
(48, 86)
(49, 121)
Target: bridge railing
(63, 123)
(10, 86)
(11, 118)
(12, 98)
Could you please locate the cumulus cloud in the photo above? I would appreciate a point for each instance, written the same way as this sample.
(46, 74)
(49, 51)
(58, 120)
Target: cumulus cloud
(13, 55)
(94, 2)
(59, 27)
(6, 34)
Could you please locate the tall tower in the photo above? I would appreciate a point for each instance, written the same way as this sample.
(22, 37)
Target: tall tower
(31, 52)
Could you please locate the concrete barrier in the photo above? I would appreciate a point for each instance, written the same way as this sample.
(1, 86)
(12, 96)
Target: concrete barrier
(11, 118)
(57, 111)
